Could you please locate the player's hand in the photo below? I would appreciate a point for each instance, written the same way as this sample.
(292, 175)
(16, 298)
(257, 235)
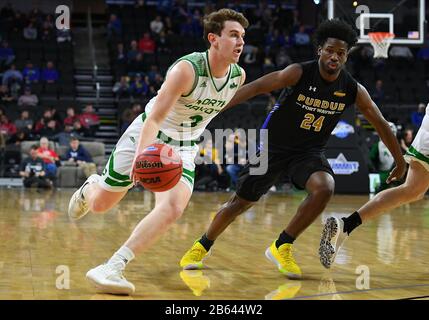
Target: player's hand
(397, 173)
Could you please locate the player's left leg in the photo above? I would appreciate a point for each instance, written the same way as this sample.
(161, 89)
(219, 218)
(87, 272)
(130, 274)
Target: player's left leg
(320, 187)
(169, 206)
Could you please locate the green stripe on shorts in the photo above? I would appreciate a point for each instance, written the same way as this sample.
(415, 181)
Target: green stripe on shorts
(113, 173)
(414, 153)
(114, 183)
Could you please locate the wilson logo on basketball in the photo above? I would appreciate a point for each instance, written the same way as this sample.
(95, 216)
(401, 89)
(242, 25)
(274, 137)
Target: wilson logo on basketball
(148, 165)
(150, 180)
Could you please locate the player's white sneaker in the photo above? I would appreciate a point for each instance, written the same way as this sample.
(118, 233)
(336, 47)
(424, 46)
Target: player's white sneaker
(78, 207)
(108, 278)
(332, 239)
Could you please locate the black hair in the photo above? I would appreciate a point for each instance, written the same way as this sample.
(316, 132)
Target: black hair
(336, 29)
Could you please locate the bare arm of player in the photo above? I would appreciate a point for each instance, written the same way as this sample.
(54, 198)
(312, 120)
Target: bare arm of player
(289, 76)
(179, 81)
(371, 112)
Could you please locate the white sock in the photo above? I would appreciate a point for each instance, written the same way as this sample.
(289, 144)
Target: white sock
(122, 257)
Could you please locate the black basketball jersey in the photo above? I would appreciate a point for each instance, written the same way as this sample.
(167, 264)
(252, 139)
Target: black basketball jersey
(306, 114)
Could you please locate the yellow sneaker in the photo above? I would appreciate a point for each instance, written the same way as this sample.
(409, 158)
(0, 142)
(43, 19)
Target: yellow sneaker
(283, 259)
(285, 291)
(193, 258)
(196, 281)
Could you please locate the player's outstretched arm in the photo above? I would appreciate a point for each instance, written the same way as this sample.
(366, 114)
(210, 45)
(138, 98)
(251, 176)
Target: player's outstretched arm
(371, 112)
(179, 82)
(289, 76)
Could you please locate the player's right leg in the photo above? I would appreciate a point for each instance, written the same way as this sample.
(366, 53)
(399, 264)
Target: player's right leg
(336, 231)
(98, 194)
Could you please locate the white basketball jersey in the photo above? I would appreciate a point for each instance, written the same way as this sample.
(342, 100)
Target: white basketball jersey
(192, 113)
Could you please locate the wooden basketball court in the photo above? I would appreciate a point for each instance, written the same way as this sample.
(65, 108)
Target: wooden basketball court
(45, 256)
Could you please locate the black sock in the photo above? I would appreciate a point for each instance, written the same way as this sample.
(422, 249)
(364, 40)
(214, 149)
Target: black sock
(351, 222)
(284, 238)
(207, 244)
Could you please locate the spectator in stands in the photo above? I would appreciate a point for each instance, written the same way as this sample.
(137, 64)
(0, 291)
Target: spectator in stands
(28, 99)
(121, 88)
(12, 75)
(382, 160)
(401, 53)
(18, 138)
(163, 43)
(64, 137)
(138, 87)
(49, 157)
(120, 54)
(156, 25)
(7, 128)
(19, 23)
(407, 139)
(129, 114)
(71, 117)
(32, 170)
(208, 172)
(46, 35)
(48, 23)
(64, 35)
(302, 38)
(50, 130)
(157, 82)
(30, 73)
(30, 32)
(7, 54)
(147, 44)
(5, 95)
(24, 122)
(7, 13)
(187, 28)
(250, 53)
(417, 116)
(133, 51)
(137, 65)
(90, 119)
(378, 93)
(114, 27)
(79, 156)
(50, 74)
(43, 122)
(80, 129)
(235, 157)
(282, 59)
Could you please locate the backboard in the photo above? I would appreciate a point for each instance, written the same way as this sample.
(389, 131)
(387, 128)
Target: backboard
(404, 18)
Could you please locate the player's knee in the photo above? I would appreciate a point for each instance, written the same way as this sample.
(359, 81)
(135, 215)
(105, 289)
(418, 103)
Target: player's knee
(324, 192)
(172, 212)
(413, 193)
(238, 205)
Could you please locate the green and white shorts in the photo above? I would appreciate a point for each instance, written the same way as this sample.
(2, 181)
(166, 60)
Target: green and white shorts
(116, 174)
(419, 149)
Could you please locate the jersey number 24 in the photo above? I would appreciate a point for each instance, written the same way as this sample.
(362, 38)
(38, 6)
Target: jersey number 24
(309, 121)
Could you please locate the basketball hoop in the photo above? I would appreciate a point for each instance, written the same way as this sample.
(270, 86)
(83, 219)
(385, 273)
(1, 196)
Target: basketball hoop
(381, 43)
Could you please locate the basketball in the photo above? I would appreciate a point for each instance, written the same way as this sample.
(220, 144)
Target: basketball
(158, 168)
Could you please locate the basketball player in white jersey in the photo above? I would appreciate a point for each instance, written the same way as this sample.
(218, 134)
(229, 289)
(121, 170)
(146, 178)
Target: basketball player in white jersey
(197, 87)
(416, 184)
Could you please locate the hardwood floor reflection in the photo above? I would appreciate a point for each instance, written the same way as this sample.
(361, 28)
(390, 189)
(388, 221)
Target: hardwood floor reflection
(40, 249)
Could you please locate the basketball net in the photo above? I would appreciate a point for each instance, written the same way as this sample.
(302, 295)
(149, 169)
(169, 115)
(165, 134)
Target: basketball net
(381, 43)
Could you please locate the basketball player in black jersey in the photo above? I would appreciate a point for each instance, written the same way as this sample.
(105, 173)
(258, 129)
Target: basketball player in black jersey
(299, 127)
